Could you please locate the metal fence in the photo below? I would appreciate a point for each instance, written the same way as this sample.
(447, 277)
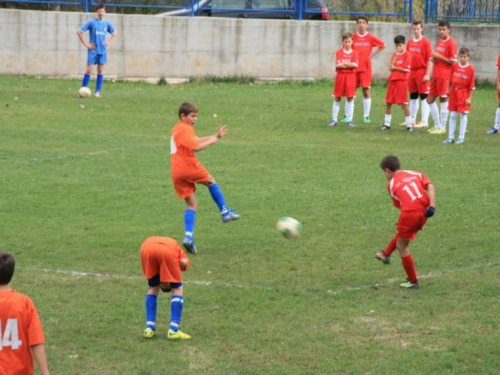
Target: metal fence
(462, 10)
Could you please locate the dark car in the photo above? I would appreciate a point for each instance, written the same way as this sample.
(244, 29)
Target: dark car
(274, 9)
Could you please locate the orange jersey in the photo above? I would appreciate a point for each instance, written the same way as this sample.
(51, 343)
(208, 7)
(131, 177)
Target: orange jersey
(408, 190)
(161, 255)
(402, 61)
(341, 57)
(448, 49)
(421, 52)
(364, 44)
(20, 328)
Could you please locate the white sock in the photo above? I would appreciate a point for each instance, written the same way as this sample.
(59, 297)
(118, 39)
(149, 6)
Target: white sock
(425, 112)
(346, 108)
(349, 110)
(367, 105)
(435, 115)
(444, 114)
(497, 119)
(463, 126)
(335, 110)
(387, 121)
(409, 121)
(453, 125)
(414, 104)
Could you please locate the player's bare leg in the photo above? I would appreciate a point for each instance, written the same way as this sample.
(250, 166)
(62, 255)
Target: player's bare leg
(408, 264)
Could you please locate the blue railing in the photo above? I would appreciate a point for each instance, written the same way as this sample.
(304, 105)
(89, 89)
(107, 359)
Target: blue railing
(462, 10)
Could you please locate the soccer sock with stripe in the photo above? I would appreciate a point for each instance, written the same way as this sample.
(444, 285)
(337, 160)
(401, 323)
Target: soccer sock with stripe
(367, 105)
(98, 86)
(151, 303)
(497, 119)
(463, 126)
(218, 197)
(176, 305)
(435, 115)
(453, 125)
(387, 120)
(444, 114)
(86, 80)
(189, 219)
(349, 110)
(409, 267)
(391, 247)
(335, 110)
(425, 112)
(414, 104)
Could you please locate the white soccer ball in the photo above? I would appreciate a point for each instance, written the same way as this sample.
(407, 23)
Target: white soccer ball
(289, 227)
(84, 92)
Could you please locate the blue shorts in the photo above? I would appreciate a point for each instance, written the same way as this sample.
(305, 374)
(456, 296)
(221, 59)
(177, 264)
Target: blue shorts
(155, 281)
(94, 58)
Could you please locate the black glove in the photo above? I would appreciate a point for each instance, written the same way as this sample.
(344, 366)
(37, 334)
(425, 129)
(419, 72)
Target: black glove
(430, 211)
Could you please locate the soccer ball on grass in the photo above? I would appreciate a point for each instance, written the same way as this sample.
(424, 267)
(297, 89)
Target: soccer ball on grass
(289, 227)
(84, 92)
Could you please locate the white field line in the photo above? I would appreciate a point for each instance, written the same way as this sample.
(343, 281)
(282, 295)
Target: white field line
(430, 275)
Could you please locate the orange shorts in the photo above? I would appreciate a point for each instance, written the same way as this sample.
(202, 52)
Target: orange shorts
(416, 82)
(364, 79)
(184, 180)
(409, 224)
(397, 92)
(439, 88)
(456, 103)
(163, 259)
(345, 86)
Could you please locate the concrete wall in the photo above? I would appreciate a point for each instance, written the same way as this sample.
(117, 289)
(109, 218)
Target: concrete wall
(45, 43)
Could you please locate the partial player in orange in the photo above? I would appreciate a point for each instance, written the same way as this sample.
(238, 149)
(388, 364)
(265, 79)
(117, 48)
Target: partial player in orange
(346, 63)
(460, 95)
(420, 49)
(162, 262)
(21, 333)
(188, 171)
(496, 126)
(444, 57)
(397, 89)
(413, 194)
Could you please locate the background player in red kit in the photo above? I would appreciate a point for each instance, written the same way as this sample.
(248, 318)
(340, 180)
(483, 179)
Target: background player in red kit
(420, 49)
(346, 62)
(397, 89)
(496, 127)
(460, 95)
(413, 194)
(364, 43)
(444, 56)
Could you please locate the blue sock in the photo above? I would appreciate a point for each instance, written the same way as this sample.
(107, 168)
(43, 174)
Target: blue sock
(176, 312)
(86, 80)
(98, 86)
(189, 218)
(218, 197)
(151, 311)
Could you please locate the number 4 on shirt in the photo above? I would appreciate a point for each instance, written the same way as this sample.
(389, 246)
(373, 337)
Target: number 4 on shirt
(11, 335)
(413, 186)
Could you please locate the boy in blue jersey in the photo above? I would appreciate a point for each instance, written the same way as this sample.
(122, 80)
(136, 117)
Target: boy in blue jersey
(97, 46)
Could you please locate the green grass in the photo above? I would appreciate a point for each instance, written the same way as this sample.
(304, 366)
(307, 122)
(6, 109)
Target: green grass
(84, 182)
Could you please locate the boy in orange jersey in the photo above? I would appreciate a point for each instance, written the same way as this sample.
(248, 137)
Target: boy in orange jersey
(496, 126)
(421, 66)
(346, 62)
(188, 171)
(162, 262)
(444, 57)
(460, 95)
(413, 194)
(21, 333)
(397, 89)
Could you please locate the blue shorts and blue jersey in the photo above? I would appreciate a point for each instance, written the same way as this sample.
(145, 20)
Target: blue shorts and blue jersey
(97, 36)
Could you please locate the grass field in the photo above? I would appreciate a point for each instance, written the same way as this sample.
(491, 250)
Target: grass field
(84, 182)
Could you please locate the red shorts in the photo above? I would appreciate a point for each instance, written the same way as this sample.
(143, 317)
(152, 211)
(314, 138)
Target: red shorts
(456, 103)
(416, 82)
(184, 180)
(163, 259)
(439, 87)
(345, 85)
(499, 97)
(409, 224)
(364, 79)
(397, 92)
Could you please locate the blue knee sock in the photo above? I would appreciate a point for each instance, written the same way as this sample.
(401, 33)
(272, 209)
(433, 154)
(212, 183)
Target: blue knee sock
(151, 311)
(189, 218)
(176, 312)
(218, 197)
(98, 86)
(86, 80)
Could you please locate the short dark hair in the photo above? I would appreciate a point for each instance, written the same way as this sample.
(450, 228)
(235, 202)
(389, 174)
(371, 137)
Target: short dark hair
(464, 51)
(399, 39)
(100, 6)
(390, 162)
(417, 22)
(187, 108)
(346, 36)
(7, 266)
(444, 24)
(364, 18)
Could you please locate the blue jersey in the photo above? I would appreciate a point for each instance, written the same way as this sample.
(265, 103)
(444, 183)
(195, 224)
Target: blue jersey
(97, 32)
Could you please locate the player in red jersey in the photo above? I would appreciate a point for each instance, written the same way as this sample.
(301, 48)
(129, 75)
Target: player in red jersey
(496, 127)
(346, 62)
(444, 57)
(460, 94)
(413, 194)
(397, 89)
(421, 66)
(364, 43)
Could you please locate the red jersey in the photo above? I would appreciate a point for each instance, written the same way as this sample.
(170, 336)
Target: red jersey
(421, 52)
(20, 328)
(448, 49)
(407, 190)
(364, 44)
(498, 62)
(341, 56)
(402, 61)
(462, 77)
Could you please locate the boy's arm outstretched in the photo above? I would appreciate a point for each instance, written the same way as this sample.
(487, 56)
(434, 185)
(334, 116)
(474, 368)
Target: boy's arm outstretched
(40, 358)
(204, 142)
(432, 201)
